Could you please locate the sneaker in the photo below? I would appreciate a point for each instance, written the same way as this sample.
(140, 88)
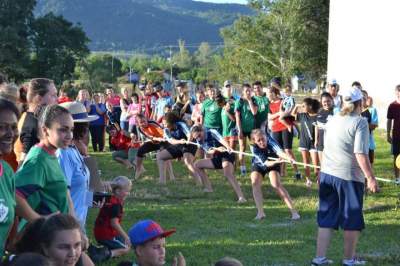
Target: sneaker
(98, 254)
(354, 261)
(297, 176)
(321, 261)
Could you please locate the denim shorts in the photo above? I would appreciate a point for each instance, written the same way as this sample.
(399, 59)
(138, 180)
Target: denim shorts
(340, 203)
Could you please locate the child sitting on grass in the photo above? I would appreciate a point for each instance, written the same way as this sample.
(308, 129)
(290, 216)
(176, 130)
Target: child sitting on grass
(126, 146)
(107, 229)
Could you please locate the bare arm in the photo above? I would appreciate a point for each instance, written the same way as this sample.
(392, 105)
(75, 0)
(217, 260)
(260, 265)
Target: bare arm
(365, 165)
(238, 122)
(253, 107)
(24, 210)
(115, 224)
(70, 204)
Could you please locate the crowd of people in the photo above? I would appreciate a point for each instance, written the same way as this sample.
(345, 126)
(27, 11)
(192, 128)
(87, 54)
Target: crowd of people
(45, 176)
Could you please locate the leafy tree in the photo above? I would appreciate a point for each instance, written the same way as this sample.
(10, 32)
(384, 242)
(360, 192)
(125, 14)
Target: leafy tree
(284, 38)
(183, 58)
(15, 20)
(203, 54)
(99, 68)
(57, 45)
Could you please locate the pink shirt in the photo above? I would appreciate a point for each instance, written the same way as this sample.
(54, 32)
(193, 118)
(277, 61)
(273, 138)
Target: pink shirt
(196, 113)
(133, 108)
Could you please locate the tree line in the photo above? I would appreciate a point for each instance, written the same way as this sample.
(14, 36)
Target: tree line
(283, 38)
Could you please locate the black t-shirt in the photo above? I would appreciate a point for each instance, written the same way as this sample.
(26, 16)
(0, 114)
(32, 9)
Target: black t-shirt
(306, 126)
(322, 118)
(367, 116)
(261, 155)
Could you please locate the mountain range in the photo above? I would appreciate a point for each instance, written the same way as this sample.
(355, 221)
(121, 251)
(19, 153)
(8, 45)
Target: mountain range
(146, 25)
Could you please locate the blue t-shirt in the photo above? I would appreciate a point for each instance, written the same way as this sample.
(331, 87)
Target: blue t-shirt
(374, 121)
(77, 178)
(100, 121)
(160, 105)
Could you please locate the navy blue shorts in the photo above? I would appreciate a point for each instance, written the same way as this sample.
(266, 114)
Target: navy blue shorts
(115, 243)
(340, 203)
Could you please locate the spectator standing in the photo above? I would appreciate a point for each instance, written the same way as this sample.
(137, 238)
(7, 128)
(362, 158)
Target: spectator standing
(162, 101)
(133, 110)
(114, 104)
(40, 184)
(84, 98)
(344, 167)
(374, 124)
(97, 126)
(196, 112)
(40, 92)
(124, 102)
(393, 129)
(8, 134)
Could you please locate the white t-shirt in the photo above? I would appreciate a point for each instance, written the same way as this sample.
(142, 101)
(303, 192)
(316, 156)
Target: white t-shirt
(344, 137)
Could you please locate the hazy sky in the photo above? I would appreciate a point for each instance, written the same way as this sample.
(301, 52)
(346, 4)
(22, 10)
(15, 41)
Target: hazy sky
(225, 1)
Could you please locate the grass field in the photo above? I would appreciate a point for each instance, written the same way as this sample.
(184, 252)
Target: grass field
(210, 226)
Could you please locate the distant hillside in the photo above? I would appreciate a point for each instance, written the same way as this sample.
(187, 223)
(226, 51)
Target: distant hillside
(135, 24)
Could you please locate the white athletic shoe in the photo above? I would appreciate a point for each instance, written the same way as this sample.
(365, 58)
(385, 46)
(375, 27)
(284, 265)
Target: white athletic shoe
(321, 261)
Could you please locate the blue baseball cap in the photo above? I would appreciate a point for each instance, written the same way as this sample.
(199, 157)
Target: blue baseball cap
(147, 230)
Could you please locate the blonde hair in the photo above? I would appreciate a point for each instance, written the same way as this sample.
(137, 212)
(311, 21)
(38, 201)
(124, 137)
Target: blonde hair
(256, 132)
(349, 107)
(120, 182)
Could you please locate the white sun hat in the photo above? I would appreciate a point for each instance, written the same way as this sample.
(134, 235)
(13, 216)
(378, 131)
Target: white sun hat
(78, 112)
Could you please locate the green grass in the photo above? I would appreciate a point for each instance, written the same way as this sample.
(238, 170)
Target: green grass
(210, 226)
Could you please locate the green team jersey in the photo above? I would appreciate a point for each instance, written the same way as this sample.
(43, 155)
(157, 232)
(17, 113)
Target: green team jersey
(7, 203)
(228, 126)
(247, 118)
(211, 112)
(262, 112)
(41, 182)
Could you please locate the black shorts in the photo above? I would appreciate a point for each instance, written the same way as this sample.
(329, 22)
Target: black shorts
(265, 170)
(177, 151)
(307, 144)
(284, 138)
(149, 147)
(395, 147)
(222, 157)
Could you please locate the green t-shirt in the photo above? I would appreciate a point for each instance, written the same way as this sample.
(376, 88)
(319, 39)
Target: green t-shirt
(262, 112)
(211, 112)
(247, 118)
(228, 126)
(7, 203)
(41, 182)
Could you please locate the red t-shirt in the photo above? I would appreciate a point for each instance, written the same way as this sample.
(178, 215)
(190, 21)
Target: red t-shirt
(102, 227)
(274, 107)
(121, 142)
(64, 99)
(114, 101)
(394, 113)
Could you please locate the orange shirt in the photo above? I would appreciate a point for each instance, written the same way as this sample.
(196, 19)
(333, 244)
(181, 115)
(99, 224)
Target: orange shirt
(152, 130)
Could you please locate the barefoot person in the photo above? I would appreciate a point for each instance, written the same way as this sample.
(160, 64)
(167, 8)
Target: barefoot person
(222, 159)
(345, 166)
(264, 149)
(179, 148)
(150, 130)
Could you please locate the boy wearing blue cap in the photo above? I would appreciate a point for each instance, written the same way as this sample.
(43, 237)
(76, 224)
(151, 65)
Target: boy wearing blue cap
(148, 240)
